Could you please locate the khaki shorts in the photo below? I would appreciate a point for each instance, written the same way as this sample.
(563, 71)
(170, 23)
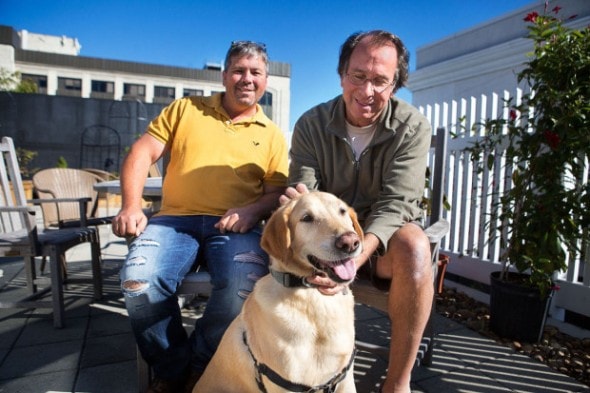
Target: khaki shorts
(369, 272)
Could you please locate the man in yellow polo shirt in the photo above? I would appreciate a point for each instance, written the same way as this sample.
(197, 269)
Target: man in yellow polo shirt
(227, 170)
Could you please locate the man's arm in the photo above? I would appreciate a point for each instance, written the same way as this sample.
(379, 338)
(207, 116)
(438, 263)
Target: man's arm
(131, 220)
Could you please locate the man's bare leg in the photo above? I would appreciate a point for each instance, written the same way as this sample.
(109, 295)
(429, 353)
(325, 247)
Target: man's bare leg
(408, 263)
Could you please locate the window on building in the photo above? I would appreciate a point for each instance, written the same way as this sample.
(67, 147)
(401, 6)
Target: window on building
(69, 87)
(133, 91)
(192, 92)
(39, 80)
(102, 89)
(266, 104)
(163, 94)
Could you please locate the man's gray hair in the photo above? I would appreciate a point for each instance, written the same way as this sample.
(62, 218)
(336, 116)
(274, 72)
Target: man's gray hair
(246, 48)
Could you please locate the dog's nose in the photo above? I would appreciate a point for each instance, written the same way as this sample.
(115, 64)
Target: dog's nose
(348, 242)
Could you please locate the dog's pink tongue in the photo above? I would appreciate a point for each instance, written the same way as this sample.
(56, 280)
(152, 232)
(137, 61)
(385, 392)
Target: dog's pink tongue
(346, 271)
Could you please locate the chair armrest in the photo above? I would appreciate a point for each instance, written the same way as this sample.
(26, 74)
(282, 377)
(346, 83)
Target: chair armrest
(26, 212)
(81, 201)
(59, 200)
(16, 209)
(437, 231)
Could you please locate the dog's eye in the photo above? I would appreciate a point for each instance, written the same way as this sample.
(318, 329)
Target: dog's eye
(307, 218)
(343, 211)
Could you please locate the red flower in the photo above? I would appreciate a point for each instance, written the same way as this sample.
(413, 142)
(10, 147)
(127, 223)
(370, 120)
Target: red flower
(512, 115)
(552, 139)
(531, 17)
(556, 9)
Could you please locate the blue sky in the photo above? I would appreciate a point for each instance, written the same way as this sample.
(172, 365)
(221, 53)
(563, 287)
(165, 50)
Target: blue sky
(307, 34)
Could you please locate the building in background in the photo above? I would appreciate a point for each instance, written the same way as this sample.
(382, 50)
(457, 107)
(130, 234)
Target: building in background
(482, 60)
(54, 65)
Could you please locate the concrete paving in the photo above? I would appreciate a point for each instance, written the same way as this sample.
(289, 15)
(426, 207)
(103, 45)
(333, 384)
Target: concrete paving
(95, 351)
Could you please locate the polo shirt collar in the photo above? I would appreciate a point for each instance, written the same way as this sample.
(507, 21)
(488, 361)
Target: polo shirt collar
(215, 103)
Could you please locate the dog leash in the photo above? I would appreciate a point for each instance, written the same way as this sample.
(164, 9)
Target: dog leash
(263, 369)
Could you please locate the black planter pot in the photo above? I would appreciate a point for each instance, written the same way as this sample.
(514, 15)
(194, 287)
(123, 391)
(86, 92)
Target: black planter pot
(517, 312)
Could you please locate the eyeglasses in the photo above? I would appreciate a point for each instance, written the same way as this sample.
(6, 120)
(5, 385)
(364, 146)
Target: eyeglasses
(258, 45)
(379, 84)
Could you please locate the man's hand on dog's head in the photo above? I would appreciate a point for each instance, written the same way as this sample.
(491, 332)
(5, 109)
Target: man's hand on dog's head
(293, 192)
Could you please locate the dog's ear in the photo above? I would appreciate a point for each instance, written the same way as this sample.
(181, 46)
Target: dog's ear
(355, 222)
(276, 238)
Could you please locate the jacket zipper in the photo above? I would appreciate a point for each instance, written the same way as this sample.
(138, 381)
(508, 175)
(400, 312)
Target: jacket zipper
(357, 171)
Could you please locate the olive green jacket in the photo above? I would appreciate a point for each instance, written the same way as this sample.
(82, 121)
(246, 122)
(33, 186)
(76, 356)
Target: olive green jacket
(385, 186)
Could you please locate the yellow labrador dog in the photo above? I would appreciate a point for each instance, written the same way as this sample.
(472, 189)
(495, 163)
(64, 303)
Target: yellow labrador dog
(289, 337)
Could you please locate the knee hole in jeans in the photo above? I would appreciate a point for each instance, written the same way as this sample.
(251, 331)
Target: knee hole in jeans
(140, 242)
(250, 257)
(134, 286)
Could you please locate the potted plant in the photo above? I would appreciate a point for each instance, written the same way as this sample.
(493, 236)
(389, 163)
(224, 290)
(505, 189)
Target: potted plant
(542, 218)
(25, 158)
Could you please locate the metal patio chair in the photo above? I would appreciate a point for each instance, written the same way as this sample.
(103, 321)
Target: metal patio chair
(100, 147)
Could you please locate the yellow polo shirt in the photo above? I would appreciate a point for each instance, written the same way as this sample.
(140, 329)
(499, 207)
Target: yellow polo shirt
(216, 164)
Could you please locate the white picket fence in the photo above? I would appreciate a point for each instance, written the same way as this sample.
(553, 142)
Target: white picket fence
(473, 255)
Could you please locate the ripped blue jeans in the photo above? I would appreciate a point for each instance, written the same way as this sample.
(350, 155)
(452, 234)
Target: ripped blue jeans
(158, 260)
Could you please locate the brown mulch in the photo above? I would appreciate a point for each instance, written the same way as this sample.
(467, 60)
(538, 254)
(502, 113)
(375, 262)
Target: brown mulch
(563, 353)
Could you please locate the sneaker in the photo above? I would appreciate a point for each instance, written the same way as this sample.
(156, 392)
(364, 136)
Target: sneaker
(159, 385)
(192, 380)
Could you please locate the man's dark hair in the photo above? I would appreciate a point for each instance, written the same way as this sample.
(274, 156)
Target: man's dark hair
(377, 38)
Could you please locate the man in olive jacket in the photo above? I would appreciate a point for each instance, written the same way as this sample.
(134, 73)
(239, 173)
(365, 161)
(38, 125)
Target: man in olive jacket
(369, 149)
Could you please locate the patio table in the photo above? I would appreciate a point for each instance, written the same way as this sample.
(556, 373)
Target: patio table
(152, 190)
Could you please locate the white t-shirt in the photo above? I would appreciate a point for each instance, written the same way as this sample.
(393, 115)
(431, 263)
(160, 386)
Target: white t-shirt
(360, 137)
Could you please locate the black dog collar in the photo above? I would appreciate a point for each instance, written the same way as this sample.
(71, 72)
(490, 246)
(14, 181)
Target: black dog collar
(289, 280)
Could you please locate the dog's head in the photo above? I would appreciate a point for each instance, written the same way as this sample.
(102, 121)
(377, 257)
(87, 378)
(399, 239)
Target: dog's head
(315, 232)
